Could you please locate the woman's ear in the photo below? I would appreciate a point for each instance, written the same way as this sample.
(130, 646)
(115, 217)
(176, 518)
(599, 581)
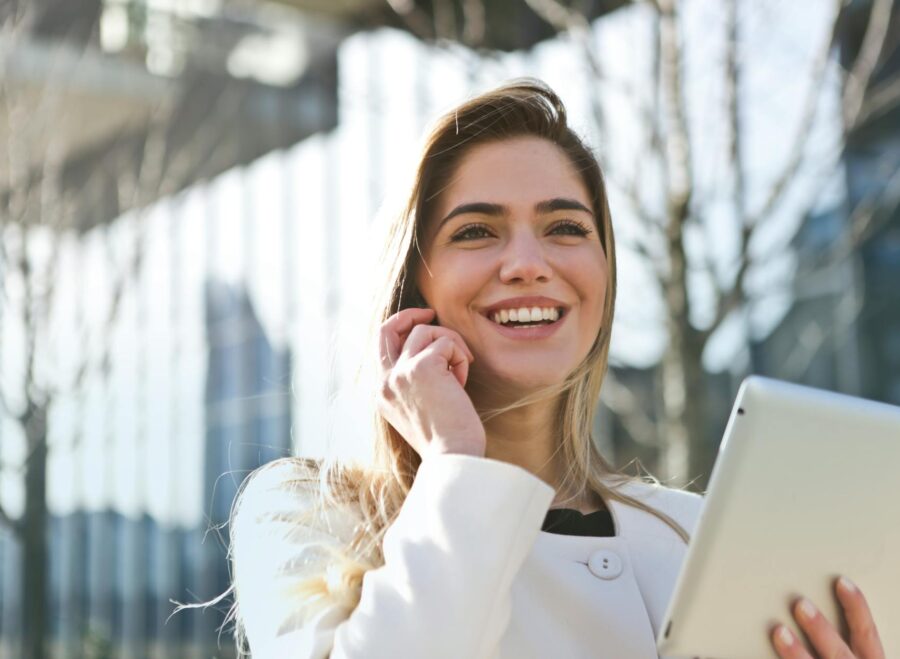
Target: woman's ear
(419, 301)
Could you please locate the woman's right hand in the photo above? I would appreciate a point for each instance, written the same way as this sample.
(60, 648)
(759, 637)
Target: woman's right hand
(423, 371)
(863, 641)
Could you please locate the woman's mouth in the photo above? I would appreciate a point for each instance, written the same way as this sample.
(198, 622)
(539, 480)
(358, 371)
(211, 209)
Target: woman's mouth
(527, 317)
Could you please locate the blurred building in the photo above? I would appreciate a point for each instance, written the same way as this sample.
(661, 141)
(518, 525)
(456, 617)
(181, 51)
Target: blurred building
(112, 577)
(135, 101)
(248, 423)
(843, 331)
(872, 161)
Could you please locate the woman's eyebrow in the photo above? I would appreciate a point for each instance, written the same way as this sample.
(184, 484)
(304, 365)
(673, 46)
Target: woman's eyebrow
(480, 207)
(485, 208)
(561, 204)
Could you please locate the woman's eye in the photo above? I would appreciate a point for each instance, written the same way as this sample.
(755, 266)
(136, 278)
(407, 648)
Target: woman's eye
(471, 232)
(570, 228)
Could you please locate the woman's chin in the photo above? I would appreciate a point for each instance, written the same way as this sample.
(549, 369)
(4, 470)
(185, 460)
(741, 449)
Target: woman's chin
(512, 383)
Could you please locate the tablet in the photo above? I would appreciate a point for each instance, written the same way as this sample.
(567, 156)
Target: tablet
(806, 487)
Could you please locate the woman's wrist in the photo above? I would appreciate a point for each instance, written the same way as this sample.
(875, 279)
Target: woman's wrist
(474, 448)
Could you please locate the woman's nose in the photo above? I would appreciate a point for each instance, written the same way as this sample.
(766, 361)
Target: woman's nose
(524, 261)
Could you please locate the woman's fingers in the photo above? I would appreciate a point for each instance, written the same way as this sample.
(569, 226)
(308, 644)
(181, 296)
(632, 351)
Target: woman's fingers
(864, 642)
(445, 349)
(864, 639)
(452, 348)
(421, 336)
(407, 333)
(787, 645)
(822, 635)
(396, 329)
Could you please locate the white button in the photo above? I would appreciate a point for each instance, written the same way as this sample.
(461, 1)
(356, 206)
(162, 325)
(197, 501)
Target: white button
(605, 564)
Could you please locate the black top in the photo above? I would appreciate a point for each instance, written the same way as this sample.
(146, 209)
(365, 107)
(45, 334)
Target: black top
(567, 521)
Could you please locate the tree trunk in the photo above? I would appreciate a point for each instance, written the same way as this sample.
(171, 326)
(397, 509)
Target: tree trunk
(683, 382)
(34, 534)
(684, 407)
(681, 369)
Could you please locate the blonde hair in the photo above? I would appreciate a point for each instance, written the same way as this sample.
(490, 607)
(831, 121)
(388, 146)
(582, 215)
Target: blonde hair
(521, 108)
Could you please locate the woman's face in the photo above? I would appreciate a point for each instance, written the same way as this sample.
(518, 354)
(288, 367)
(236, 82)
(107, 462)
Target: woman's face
(514, 239)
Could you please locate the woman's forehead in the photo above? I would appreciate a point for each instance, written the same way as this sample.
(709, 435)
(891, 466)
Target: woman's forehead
(515, 173)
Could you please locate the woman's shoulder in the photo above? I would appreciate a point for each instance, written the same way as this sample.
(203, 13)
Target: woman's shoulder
(292, 530)
(293, 499)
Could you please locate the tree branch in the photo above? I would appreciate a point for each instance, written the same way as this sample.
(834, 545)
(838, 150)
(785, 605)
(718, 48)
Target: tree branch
(10, 523)
(732, 298)
(416, 19)
(733, 75)
(155, 176)
(677, 145)
(51, 215)
(880, 205)
(678, 189)
(812, 337)
(879, 100)
(629, 410)
(565, 20)
(807, 120)
(473, 22)
(643, 242)
(857, 82)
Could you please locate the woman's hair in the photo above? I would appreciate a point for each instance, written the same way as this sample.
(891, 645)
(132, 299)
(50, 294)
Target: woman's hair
(521, 108)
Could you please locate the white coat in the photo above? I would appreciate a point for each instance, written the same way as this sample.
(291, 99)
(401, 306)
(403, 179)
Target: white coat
(469, 574)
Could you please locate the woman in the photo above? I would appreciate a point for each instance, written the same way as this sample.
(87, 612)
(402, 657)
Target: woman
(493, 345)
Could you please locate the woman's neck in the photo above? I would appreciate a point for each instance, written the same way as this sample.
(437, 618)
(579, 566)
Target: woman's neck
(528, 436)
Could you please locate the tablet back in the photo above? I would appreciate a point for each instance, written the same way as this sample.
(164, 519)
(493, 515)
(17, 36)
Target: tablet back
(806, 487)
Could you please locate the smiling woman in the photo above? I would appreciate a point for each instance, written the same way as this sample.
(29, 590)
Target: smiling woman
(488, 525)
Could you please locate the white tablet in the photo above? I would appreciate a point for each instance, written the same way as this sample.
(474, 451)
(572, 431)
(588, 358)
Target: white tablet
(806, 487)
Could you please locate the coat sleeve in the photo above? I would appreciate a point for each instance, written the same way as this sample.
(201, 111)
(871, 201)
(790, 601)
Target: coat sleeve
(450, 558)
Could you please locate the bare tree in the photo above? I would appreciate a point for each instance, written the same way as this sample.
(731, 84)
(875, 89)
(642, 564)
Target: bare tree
(680, 204)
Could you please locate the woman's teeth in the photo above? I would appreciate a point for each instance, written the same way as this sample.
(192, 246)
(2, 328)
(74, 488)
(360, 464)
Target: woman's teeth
(525, 315)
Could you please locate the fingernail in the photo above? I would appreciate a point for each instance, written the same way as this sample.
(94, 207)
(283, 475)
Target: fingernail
(847, 585)
(785, 637)
(807, 610)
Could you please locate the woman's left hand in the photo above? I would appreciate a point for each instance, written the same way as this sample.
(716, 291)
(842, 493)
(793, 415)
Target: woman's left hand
(863, 643)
